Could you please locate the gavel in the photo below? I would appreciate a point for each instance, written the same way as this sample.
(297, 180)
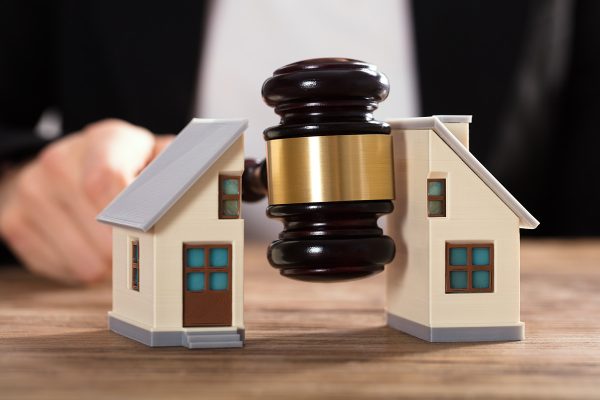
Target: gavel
(328, 172)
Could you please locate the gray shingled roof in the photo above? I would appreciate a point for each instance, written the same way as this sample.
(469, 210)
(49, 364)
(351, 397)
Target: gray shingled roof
(172, 173)
(436, 123)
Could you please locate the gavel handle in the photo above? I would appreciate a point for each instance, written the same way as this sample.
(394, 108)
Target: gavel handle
(254, 180)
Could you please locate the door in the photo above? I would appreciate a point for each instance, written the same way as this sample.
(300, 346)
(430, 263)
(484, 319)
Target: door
(206, 284)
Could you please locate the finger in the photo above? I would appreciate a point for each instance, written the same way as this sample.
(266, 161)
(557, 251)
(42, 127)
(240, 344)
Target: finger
(58, 229)
(161, 143)
(83, 213)
(114, 156)
(82, 259)
(57, 173)
(29, 247)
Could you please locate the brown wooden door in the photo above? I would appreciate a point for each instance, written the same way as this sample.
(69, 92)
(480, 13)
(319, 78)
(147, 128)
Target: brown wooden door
(206, 284)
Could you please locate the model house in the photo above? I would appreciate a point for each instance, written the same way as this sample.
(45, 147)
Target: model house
(456, 272)
(178, 243)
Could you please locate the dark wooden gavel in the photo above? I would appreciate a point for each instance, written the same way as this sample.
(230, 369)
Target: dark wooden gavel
(329, 170)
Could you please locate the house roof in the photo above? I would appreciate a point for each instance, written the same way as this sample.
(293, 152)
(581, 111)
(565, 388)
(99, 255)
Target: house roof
(172, 173)
(436, 123)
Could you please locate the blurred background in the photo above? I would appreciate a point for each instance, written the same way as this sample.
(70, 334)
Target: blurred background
(528, 72)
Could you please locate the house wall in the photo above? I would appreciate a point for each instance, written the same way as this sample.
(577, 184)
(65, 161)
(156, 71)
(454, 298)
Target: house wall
(408, 275)
(473, 213)
(460, 130)
(416, 277)
(194, 218)
(128, 304)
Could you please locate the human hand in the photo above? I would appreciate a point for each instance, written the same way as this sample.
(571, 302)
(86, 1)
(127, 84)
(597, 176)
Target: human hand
(49, 205)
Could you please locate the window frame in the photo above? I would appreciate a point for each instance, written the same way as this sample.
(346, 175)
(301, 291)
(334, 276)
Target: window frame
(135, 264)
(207, 269)
(470, 268)
(223, 196)
(441, 198)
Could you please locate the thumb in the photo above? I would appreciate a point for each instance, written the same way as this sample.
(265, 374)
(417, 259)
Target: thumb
(161, 143)
(115, 153)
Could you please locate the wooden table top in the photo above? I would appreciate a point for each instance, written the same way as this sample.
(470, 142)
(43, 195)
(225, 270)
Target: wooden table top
(309, 340)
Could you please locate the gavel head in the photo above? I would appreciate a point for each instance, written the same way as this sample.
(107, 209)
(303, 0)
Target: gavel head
(330, 170)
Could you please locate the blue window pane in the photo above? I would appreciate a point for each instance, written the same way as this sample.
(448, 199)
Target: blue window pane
(219, 281)
(435, 208)
(458, 256)
(135, 253)
(195, 258)
(230, 208)
(481, 256)
(195, 281)
(231, 186)
(435, 188)
(458, 279)
(135, 278)
(481, 279)
(219, 257)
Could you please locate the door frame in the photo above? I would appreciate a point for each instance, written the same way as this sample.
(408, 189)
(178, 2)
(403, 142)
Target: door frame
(207, 307)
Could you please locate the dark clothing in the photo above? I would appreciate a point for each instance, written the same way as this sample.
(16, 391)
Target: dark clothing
(527, 70)
(96, 59)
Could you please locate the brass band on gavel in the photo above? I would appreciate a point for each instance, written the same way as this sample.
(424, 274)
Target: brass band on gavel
(330, 168)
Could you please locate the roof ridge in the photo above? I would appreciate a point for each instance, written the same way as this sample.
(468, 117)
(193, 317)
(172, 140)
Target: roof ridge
(170, 175)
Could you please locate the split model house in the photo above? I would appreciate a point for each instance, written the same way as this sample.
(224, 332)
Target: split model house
(178, 243)
(178, 240)
(456, 275)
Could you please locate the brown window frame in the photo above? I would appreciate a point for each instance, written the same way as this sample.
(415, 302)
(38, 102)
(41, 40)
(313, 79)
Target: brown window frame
(207, 269)
(441, 198)
(223, 196)
(135, 265)
(469, 268)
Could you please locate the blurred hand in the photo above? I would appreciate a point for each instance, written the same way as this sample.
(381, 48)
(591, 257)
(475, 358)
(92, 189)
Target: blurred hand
(48, 206)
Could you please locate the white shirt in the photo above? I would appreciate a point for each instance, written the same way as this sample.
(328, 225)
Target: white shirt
(247, 40)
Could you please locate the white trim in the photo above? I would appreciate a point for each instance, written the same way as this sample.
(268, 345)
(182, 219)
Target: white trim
(447, 119)
(166, 179)
(435, 123)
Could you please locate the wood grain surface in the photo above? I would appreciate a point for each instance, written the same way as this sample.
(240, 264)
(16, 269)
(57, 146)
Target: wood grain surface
(309, 341)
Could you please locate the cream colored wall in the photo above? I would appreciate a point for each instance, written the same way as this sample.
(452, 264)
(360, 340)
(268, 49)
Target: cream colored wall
(460, 130)
(407, 279)
(133, 305)
(416, 277)
(194, 218)
(474, 213)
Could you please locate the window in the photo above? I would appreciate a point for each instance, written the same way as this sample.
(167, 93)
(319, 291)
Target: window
(436, 197)
(207, 267)
(135, 265)
(469, 268)
(229, 197)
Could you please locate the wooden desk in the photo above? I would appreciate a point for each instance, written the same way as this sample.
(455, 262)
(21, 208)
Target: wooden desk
(309, 340)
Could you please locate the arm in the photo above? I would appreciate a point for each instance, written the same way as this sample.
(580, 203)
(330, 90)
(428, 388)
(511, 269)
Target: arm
(48, 205)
